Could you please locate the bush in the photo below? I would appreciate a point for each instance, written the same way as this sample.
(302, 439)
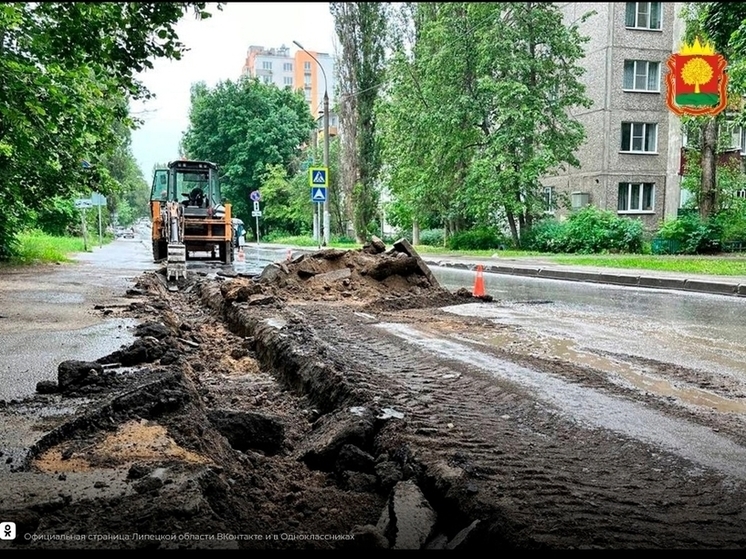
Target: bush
(590, 230)
(545, 236)
(733, 223)
(432, 237)
(625, 235)
(55, 215)
(692, 235)
(595, 230)
(477, 239)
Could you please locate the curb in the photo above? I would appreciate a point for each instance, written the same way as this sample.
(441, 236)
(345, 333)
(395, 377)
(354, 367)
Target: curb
(613, 278)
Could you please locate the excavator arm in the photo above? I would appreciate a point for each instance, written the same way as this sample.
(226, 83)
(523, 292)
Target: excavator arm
(176, 252)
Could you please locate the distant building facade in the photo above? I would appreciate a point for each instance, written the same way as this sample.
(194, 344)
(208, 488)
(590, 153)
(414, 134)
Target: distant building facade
(297, 71)
(631, 160)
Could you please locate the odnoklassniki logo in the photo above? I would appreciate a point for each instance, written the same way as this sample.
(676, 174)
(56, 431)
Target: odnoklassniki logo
(697, 81)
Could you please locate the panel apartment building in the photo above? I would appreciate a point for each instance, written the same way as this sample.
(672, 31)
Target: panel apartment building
(631, 159)
(297, 71)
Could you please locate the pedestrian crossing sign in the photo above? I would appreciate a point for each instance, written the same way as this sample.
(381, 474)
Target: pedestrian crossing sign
(318, 176)
(318, 194)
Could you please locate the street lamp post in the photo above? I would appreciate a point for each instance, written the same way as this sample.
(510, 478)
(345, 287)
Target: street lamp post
(326, 143)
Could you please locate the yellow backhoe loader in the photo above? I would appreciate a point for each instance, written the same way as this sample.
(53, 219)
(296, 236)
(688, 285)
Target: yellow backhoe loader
(190, 219)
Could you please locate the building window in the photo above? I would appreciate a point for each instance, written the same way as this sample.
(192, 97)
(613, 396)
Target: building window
(267, 79)
(738, 139)
(267, 65)
(741, 193)
(287, 67)
(643, 15)
(642, 75)
(636, 197)
(307, 80)
(548, 200)
(307, 66)
(288, 81)
(639, 137)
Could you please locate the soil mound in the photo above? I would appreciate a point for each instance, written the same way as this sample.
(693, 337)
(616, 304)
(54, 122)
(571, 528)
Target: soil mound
(371, 276)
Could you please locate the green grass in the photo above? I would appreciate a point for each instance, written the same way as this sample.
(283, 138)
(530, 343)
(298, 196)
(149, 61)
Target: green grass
(726, 265)
(302, 241)
(37, 247)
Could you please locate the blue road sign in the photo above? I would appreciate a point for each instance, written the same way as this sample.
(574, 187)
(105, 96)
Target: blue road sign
(318, 176)
(255, 195)
(318, 194)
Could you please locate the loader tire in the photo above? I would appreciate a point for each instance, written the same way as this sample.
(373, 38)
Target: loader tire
(160, 250)
(226, 252)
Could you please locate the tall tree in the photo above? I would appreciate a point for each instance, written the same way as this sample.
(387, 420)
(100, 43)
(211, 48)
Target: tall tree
(361, 30)
(479, 110)
(130, 187)
(246, 127)
(68, 71)
(724, 25)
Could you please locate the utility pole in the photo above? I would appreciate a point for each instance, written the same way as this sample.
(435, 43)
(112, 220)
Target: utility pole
(326, 218)
(326, 163)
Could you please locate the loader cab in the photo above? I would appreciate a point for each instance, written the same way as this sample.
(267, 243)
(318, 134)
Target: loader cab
(194, 184)
(159, 189)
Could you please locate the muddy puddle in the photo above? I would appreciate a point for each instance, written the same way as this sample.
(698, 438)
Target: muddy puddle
(619, 372)
(658, 338)
(592, 408)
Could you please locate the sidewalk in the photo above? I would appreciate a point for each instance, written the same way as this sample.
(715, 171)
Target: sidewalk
(542, 268)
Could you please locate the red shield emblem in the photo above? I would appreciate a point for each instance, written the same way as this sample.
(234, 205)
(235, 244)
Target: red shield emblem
(696, 81)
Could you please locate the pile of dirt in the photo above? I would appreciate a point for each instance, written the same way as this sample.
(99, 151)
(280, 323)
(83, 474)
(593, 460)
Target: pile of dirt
(370, 277)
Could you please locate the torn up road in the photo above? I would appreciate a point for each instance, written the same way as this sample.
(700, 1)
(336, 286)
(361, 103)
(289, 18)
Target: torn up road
(337, 401)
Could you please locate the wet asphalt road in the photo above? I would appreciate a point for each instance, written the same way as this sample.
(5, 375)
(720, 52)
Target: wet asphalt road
(47, 313)
(700, 331)
(49, 316)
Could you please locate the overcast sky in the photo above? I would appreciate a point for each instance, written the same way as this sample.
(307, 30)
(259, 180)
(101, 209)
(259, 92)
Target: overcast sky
(218, 47)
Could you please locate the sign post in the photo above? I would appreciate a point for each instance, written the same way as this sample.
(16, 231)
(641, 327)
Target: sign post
(318, 178)
(99, 200)
(83, 204)
(85, 233)
(257, 213)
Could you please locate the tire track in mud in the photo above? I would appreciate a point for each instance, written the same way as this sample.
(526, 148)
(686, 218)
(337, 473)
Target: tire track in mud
(543, 479)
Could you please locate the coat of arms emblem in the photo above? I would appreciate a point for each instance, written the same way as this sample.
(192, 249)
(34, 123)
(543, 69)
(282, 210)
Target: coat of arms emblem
(696, 81)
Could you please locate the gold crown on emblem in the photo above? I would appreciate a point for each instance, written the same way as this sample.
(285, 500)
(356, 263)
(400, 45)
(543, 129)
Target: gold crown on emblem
(705, 49)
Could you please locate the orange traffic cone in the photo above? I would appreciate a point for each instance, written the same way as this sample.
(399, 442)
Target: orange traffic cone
(479, 283)
(241, 255)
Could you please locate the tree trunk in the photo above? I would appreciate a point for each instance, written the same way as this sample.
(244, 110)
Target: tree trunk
(513, 228)
(708, 195)
(521, 225)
